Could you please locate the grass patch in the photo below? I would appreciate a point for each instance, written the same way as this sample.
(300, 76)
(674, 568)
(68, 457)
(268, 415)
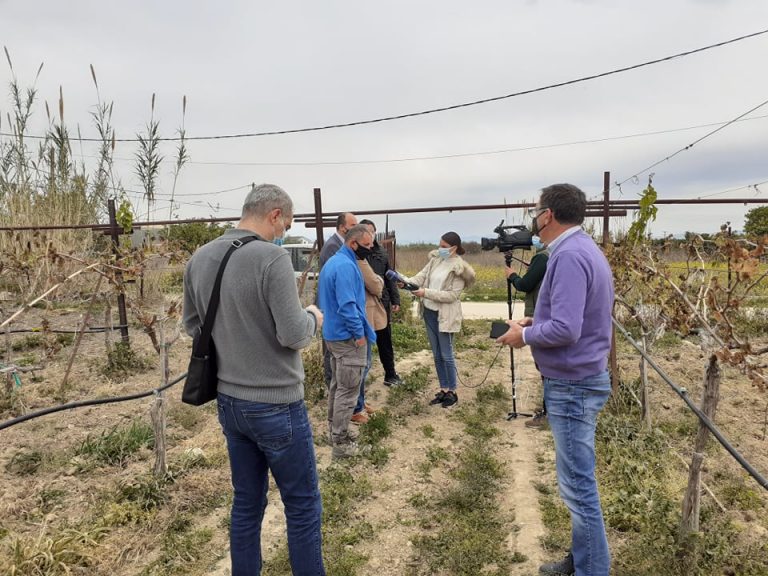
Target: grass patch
(69, 551)
(25, 463)
(116, 446)
(343, 492)
(464, 530)
(406, 395)
(409, 338)
(123, 361)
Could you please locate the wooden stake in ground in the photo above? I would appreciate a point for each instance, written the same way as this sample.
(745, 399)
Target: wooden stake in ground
(692, 499)
(158, 410)
(79, 337)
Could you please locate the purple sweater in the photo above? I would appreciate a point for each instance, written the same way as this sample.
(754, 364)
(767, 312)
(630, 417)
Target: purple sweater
(571, 333)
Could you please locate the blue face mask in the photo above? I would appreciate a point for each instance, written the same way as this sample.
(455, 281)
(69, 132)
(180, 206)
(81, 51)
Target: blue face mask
(443, 252)
(278, 241)
(537, 243)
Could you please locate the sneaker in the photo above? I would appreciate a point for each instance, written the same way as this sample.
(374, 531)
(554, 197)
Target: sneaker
(563, 567)
(449, 399)
(393, 381)
(345, 450)
(369, 410)
(438, 399)
(359, 418)
(539, 420)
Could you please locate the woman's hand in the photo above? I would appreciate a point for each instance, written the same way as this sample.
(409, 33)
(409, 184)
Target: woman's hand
(420, 292)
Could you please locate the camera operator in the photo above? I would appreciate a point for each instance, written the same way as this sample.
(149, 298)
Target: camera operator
(530, 283)
(570, 337)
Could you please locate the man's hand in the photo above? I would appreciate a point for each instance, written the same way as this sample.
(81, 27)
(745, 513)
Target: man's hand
(509, 272)
(514, 336)
(395, 308)
(360, 342)
(420, 292)
(527, 321)
(317, 313)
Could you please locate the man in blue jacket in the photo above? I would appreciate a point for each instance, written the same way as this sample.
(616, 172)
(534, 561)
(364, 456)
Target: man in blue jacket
(570, 337)
(346, 332)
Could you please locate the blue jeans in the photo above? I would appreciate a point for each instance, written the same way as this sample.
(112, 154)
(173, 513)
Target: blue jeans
(572, 409)
(361, 398)
(278, 438)
(442, 350)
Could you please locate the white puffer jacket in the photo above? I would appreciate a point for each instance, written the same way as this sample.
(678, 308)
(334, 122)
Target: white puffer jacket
(448, 298)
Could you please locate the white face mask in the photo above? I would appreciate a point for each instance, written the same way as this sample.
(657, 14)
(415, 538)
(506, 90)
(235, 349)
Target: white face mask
(443, 252)
(278, 237)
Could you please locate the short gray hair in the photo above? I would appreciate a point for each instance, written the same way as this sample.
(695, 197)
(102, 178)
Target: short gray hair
(264, 198)
(356, 233)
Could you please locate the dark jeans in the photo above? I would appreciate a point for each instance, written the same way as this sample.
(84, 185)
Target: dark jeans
(442, 350)
(278, 438)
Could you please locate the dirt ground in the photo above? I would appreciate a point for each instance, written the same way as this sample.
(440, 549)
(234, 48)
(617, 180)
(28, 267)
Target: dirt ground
(526, 453)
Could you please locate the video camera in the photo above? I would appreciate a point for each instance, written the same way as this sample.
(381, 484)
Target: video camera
(507, 241)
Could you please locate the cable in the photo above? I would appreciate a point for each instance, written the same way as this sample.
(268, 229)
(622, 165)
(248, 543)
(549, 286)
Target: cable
(755, 186)
(691, 145)
(439, 157)
(432, 110)
(81, 403)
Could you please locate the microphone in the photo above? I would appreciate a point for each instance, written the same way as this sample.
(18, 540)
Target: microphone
(393, 275)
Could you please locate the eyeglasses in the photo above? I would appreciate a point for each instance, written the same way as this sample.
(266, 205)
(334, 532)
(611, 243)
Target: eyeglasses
(536, 212)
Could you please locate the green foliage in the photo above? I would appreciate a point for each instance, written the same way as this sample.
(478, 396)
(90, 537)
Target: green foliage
(28, 343)
(756, 222)
(189, 237)
(644, 216)
(116, 446)
(407, 338)
(405, 395)
(314, 374)
(124, 217)
(123, 361)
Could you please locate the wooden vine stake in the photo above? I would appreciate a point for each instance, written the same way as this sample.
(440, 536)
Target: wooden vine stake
(692, 499)
(158, 410)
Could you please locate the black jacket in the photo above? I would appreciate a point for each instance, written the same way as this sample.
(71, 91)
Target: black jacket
(379, 261)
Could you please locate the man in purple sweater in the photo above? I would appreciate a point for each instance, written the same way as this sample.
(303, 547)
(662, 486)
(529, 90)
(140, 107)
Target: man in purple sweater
(570, 337)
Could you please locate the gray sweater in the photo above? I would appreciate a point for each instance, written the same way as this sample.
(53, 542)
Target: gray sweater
(260, 325)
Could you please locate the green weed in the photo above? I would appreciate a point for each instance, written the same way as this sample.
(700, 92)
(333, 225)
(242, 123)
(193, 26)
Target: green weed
(116, 446)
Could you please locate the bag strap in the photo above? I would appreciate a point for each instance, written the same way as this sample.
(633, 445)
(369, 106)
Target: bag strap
(204, 343)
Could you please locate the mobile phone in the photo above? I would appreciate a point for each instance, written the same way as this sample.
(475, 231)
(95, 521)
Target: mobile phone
(498, 329)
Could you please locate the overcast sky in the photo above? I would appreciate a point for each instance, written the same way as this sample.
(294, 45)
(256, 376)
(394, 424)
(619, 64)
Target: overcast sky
(252, 66)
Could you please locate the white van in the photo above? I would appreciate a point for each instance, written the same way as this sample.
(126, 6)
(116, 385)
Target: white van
(300, 256)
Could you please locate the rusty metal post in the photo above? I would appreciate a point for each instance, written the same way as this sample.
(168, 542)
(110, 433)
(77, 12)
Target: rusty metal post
(319, 219)
(612, 358)
(115, 235)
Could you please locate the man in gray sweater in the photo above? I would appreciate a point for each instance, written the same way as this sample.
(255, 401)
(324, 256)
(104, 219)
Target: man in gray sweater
(259, 331)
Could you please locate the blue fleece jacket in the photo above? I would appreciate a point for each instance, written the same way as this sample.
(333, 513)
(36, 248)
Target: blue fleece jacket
(341, 297)
(571, 333)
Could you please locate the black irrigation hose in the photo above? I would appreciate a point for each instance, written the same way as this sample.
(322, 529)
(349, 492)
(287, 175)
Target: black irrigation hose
(81, 403)
(702, 417)
(91, 330)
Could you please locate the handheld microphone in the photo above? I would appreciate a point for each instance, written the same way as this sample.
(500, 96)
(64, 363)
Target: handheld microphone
(392, 275)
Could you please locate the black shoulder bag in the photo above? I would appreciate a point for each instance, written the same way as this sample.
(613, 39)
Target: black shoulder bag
(202, 374)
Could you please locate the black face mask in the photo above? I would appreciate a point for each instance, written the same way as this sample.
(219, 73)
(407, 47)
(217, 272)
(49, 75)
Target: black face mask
(362, 252)
(535, 230)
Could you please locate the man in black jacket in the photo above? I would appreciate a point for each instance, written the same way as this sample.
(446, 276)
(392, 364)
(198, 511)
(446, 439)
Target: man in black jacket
(390, 298)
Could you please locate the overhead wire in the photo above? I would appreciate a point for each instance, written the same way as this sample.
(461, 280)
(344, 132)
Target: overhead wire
(431, 110)
(688, 147)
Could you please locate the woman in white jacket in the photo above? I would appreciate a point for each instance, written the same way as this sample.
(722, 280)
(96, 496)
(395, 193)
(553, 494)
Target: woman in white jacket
(440, 284)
